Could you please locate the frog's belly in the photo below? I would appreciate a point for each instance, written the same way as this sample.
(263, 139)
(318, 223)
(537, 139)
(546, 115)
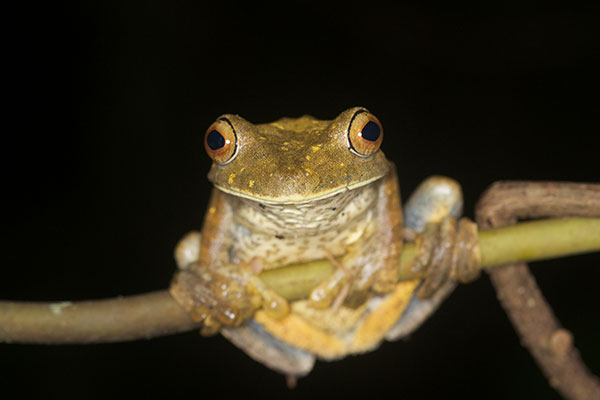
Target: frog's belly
(277, 251)
(281, 234)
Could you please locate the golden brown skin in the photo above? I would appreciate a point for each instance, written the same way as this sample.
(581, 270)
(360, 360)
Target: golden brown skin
(291, 191)
(295, 160)
(293, 172)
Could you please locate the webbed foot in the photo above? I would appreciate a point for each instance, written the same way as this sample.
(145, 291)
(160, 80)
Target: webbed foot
(226, 295)
(447, 252)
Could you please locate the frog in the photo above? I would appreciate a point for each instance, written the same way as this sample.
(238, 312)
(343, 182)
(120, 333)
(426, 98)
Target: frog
(296, 190)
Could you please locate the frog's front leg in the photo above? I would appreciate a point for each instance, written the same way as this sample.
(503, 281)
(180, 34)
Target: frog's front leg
(436, 199)
(215, 290)
(371, 264)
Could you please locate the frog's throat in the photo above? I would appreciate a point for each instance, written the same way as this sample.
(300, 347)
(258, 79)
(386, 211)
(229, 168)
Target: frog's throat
(298, 198)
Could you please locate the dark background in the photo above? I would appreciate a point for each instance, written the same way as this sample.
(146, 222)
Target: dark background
(103, 169)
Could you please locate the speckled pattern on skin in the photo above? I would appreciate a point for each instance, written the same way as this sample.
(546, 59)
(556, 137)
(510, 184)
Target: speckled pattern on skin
(293, 160)
(291, 191)
(281, 234)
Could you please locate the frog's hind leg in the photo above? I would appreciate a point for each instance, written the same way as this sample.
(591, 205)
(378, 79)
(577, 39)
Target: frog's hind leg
(436, 198)
(259, 344)
(187, 250)
(250, 337)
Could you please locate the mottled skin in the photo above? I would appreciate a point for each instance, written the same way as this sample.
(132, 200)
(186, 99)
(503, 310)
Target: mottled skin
(295, 160)
(296, 190)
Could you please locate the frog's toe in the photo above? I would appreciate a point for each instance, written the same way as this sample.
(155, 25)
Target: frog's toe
(448, 251)
(210, 297)
(210, 326)
(274, 305)
(330, 290)
(320, 297)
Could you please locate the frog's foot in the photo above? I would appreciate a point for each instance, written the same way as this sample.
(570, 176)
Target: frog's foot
(216, 297)
(437, 199)
(227, 295)
(333, 290)
(274, 305)
(270, 351)
(447, 251)
(187, 249)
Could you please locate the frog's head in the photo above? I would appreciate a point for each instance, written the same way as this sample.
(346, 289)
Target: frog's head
(295, 160)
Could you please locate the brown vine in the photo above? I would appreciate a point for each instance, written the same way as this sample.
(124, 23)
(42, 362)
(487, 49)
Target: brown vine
(550, 344)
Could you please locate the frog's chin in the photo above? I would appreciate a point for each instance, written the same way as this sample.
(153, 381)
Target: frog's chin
(298, 198)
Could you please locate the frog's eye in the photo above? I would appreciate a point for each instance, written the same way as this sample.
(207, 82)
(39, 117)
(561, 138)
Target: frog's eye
(220, 141)
(364, 133)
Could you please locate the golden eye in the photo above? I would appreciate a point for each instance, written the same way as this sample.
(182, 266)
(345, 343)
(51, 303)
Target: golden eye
(220, 141)
(364, 133)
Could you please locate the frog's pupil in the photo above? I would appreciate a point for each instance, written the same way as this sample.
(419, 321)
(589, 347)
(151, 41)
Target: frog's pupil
(371, 131)
(215, 140)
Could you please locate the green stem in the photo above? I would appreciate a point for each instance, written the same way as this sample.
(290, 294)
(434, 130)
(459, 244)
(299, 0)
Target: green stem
(539, 240)
(526, 241)
(156, 314)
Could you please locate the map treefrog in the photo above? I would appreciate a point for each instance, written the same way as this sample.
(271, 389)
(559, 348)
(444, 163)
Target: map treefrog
(301, 189)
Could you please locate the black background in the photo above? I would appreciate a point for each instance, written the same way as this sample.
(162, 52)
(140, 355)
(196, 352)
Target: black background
(103, 169)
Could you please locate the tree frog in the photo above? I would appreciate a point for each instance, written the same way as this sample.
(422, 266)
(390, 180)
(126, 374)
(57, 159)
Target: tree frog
(295, 190)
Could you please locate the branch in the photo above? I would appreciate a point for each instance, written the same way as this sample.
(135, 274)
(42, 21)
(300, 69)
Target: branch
(112, 320)
(548, 342)
(157, 314)
(527, 241)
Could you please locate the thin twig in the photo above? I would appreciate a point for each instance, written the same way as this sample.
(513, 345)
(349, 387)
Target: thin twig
(156, 314)
(112, 320)
(550, 344)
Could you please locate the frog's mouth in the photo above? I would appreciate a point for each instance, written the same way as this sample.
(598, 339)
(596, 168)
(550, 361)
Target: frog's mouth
(296, 198)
